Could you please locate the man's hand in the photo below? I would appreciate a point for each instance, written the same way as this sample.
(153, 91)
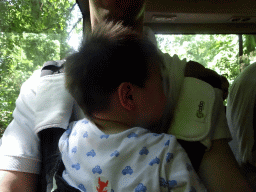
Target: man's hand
(196, 70)
(131, 13)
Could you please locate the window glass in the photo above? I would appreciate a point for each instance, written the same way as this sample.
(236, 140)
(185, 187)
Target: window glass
(31, 33)
(218, 52)
(75, 29)
(249, 53)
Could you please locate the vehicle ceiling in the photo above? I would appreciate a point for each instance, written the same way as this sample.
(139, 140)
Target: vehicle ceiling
(197, 16)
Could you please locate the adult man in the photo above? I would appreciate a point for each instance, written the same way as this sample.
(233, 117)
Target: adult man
(23, 165)
(241, 105)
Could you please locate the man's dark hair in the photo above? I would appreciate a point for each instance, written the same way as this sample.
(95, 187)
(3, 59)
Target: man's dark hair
(111, 55)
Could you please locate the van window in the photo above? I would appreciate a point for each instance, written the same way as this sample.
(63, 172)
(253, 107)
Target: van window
(215, 51)
(218, 52)
(31, 33)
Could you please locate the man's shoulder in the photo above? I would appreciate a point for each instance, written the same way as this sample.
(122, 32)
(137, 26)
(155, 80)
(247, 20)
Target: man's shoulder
(35, 75)
(32, 81)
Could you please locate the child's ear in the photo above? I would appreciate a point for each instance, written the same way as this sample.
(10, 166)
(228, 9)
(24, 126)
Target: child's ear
(125, 93)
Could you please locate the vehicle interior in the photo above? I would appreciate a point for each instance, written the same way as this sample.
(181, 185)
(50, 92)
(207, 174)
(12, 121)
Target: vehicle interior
(195, 30)
(198, 21)
(197, 18)
(181, 27)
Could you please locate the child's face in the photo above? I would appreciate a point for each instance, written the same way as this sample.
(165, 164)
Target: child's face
(152, 101)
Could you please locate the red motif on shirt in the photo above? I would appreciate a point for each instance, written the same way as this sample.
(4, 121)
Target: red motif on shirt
(102, 185)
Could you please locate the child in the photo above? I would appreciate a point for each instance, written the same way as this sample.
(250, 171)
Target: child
(116, 80)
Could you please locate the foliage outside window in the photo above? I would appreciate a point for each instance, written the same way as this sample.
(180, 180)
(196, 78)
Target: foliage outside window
(31, 33)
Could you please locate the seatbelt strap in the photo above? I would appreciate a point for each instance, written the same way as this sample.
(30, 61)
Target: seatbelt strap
(49, 139)
(52, 67)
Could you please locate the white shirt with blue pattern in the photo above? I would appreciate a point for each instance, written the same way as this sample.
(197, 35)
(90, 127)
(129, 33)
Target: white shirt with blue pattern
(134, 160)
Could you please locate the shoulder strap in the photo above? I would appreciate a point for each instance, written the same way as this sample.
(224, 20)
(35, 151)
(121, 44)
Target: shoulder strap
(52, 67)
(49, 139)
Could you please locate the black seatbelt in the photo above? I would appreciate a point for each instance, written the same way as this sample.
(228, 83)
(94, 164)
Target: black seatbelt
(52, 67)
(49, 139)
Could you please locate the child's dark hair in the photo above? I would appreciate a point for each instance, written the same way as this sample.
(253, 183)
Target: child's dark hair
(111, 55)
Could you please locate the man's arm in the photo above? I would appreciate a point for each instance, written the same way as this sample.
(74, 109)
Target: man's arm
(12, 181)
(220, 171)
(19, 148)
(131, 13)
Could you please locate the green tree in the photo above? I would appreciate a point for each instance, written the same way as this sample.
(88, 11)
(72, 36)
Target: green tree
(31, 33)
(249, 44)
(201, 48)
